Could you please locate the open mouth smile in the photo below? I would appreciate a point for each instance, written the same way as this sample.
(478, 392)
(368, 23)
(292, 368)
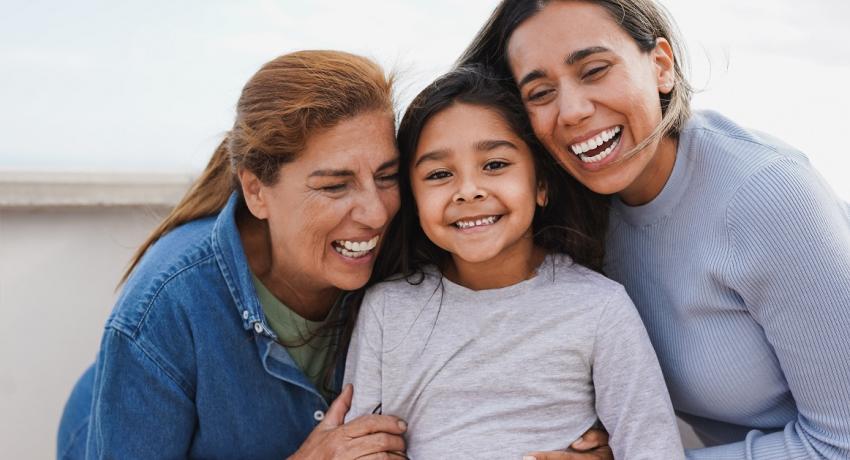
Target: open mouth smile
(355, 249)
(464, 224)
(598, 147)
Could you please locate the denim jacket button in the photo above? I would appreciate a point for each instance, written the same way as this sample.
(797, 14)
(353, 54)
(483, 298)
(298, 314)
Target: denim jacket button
(258, 328)
(319, 415)
(245, 314)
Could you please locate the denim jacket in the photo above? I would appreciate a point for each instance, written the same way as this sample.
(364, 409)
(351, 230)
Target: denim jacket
(188, 366)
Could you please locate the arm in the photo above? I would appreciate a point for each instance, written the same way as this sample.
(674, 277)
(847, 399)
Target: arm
(363, 364)
(790, 263)
(139, 409)
(631, 396)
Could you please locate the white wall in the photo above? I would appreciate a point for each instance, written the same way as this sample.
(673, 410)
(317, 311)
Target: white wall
(59, 266)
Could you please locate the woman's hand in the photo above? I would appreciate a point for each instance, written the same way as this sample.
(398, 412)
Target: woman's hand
(592, 445)
(368, 437)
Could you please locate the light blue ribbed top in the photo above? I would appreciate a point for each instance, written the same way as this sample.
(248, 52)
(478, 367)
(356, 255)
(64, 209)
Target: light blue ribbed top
(740, 269)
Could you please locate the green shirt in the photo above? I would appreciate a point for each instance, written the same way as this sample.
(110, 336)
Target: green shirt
(293, 331)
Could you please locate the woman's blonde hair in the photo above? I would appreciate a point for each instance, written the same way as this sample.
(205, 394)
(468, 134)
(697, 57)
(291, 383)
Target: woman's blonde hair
(286, 101)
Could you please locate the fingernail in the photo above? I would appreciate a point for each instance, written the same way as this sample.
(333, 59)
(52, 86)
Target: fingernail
(402, 425)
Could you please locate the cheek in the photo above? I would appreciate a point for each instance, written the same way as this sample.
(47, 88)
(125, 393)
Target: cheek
(392, 202)
(314, 233)
(318, 219)
(428, 211)
(542, 127)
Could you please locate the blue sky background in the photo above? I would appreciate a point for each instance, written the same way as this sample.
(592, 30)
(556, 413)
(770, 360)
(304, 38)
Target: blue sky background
(94, 85)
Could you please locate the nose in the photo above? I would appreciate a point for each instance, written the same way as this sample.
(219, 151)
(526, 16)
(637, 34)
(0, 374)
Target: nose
(469, 190)
(370, 210)
(574, 107)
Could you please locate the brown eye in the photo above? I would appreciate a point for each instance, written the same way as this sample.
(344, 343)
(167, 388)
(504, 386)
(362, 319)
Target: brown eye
(495, 165)
(538, 95)
(437, 175)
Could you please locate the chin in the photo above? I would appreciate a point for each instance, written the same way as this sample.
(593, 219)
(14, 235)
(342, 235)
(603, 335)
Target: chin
(604, 185)
(475, 258)
(352, 281)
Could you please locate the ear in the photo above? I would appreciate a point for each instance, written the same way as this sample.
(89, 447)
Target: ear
(255, 193)
(542, 197)
(663, 58)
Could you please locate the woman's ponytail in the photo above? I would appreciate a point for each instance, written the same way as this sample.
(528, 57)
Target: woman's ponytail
(206, 197)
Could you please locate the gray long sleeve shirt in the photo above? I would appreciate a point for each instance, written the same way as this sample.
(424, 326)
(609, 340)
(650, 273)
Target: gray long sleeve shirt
(502, 372)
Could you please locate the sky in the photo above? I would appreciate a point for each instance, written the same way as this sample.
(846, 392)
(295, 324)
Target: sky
(97, 85)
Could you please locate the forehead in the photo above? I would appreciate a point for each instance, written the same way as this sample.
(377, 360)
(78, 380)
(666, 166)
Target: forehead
(462, 124)
(364, 139)
(560, 28)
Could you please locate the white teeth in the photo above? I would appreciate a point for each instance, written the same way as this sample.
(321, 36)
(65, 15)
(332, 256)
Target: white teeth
(476, 223)
(601, 156)
(356, 248)
(596, 141)
(352, 254)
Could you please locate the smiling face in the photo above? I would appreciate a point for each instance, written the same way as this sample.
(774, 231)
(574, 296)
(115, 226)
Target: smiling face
(330, 207)
(475, 188)
(593, 96)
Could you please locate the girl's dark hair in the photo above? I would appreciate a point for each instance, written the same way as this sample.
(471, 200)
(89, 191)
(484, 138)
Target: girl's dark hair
(572, 222)
(643, 20)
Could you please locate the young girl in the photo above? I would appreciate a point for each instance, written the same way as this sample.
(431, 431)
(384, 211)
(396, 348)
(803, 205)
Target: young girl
(494, 341)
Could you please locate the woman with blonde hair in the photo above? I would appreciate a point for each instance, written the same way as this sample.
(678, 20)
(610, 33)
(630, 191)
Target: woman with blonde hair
(229, 336)
(733, 248)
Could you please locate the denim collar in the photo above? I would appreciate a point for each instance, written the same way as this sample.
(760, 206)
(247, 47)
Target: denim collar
(230, 256)
(231, 260)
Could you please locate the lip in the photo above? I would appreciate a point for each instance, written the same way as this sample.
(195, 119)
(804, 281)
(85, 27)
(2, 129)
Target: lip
(590, 135)
(360, 261)
(360, 238)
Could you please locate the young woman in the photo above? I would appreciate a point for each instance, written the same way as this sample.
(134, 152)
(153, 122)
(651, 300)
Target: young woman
(495, 342)
(735, 251)
(224, 341)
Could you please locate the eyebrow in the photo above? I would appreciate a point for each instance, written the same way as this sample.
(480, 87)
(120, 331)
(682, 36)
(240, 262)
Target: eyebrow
(480, 146)
(576, 56)
(573, 57)
(435, 155)
(488, 145)
(348, 172)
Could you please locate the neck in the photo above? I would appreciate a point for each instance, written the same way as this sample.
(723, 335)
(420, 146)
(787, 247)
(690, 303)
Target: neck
(651, 181)
(507, 269)
(310, 304)
(299, 295)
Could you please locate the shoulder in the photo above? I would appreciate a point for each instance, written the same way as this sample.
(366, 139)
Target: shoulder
(710, 138)
(167, 297)
(401, 290)
(574, 284)
(604, 300)
(178, 264)
(564, 273)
